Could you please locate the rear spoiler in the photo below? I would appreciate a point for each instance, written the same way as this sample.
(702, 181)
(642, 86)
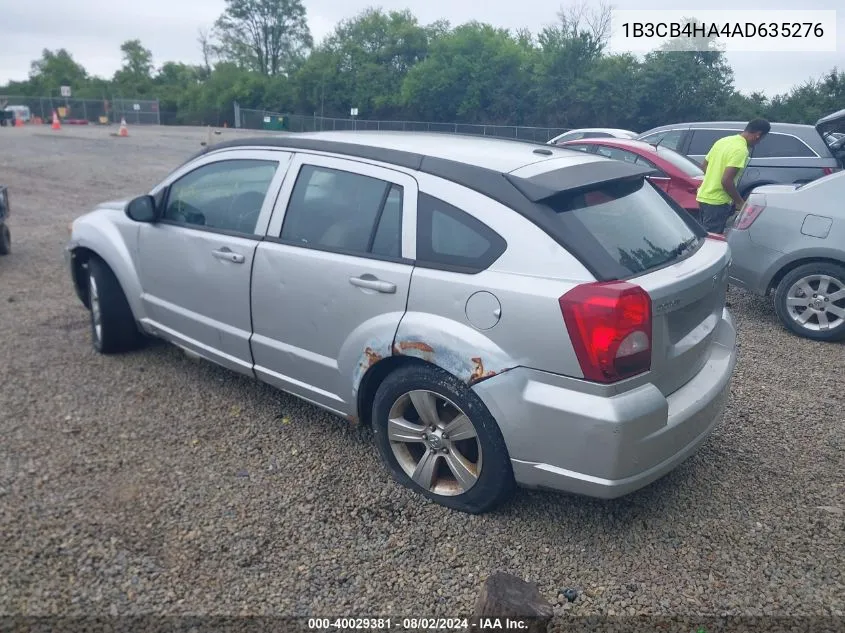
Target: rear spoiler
(577, 177)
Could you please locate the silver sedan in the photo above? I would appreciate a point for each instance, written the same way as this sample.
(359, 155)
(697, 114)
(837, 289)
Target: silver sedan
(789, 240)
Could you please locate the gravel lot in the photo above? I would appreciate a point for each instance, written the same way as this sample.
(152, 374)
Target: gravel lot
(151, 483)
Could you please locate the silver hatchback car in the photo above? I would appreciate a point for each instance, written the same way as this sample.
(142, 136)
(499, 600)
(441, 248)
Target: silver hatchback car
(500, 312)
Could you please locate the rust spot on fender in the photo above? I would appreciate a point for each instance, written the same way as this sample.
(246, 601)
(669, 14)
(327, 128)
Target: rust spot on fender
(478, 372)
(353, 420)
(415, 345)
(372, 356)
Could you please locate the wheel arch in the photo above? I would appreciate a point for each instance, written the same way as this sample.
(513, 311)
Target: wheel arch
(788, 267)
(463, 352)
(108, 242)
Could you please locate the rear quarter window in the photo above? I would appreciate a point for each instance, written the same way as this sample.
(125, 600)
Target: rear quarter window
(775, 145)
(450, 239)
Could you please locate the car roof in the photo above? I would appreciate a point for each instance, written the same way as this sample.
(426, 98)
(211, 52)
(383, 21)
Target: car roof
(408, 149)
(788, 128)
(599, 129)
(616, 142)
(519, 175)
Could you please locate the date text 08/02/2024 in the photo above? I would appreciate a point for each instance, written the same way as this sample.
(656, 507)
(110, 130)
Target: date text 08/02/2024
(415, 624)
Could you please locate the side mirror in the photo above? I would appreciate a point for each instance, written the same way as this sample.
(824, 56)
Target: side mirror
(142, 209)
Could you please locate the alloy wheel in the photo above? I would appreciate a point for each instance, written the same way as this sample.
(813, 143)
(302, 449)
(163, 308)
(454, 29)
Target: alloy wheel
(96, 314)
(434, 442)
(817, 302)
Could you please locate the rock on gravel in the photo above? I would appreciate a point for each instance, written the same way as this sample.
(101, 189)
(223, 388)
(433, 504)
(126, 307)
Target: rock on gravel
(150, 483)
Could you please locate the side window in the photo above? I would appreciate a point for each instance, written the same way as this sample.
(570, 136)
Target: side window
(448, 237)
(580, 148)
(596, 135)
(702, 140)
(647, 163)
(616, 154)
(344, 211)
(387, 240)
(776, 145)
(653, 139)
(671, 139)
(226, 196)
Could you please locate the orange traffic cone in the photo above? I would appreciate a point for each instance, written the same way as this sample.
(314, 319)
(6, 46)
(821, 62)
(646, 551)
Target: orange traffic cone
(56, 125)
(18, 121)
(123, 131)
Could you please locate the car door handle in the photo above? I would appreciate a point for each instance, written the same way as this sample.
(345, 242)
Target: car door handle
(227, 255)
(372, 283)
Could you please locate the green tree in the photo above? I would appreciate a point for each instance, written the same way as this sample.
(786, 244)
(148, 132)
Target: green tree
(363, 64)
(267, 36)
(134, 77)
(54, 70)
(684, 86)
(564, 64)
(475, 74)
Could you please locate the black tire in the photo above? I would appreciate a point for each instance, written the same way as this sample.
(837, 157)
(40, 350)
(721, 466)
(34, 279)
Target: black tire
(5, 239)
(493, 484)
(808, 271)
(118, 331)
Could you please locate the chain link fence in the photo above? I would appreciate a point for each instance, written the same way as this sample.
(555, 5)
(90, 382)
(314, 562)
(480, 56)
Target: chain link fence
(136, 111)
(279, 121)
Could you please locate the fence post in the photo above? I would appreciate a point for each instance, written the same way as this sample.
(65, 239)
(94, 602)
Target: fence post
(84, 110)
(158, 112)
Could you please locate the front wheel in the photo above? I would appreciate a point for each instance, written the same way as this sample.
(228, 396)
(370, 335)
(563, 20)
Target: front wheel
(810, 301)
(113, 327)
(437, 438)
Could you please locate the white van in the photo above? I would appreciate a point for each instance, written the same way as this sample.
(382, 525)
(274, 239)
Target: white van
(21, 112)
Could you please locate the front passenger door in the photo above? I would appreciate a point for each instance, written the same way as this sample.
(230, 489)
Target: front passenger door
(195, 262)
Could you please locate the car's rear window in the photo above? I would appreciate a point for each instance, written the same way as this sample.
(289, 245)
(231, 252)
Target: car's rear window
(686, 165)
(628, 222)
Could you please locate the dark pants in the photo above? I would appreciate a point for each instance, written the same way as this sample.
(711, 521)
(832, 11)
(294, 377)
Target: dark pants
(714, 217)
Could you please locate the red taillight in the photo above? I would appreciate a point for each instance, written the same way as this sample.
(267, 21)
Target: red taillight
(609, 324)
(717, 236)
(746, 217)
(827, 171)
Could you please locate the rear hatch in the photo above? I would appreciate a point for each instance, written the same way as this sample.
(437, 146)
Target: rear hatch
(829, 125)
(628, 230)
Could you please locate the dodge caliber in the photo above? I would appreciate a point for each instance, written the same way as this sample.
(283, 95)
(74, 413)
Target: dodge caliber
(501, 313)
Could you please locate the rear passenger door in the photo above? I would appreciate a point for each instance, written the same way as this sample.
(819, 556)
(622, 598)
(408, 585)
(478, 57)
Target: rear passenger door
(331, 278)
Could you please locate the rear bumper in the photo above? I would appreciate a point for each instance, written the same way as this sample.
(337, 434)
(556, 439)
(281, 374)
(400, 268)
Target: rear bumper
(562, 438)
(750, 261)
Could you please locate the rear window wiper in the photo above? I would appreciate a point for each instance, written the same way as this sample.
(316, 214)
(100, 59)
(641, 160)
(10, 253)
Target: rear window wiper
(684, 246)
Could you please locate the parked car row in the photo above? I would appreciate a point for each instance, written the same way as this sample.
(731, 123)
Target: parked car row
(788, 241)
(499, 312)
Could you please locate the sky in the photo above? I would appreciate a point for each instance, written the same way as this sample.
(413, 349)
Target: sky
(93, 30)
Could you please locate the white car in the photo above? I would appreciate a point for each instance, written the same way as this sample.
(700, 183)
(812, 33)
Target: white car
(21, 112)
(592, 132)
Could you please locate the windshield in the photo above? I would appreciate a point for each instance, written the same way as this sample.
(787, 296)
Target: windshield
(631, 223)
(686, 165)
